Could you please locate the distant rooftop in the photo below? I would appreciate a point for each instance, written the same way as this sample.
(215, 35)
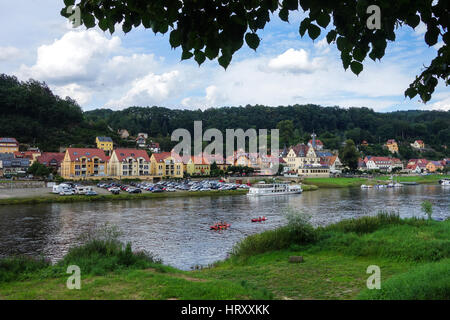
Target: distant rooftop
(104, 139)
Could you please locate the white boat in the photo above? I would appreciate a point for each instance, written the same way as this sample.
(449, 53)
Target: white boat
(445, 182)
(268, 189)
(397, 185)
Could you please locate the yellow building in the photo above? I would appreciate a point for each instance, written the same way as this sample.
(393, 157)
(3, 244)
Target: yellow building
(129, 163)
(9, 145)
(166, 165)
(433, 166)
(197, 165)
(105, 143)
(392, 145)
(84, 163)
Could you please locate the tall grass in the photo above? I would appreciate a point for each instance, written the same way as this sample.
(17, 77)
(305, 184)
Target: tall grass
(427, 282)
(20, 267)
(297, 231)
(103, 252)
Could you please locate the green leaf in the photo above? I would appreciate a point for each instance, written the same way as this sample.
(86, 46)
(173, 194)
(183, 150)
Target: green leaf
(69, 2)
(175, 38)
(225, 60)
(103, 24)
(290, 4)
(252, 40)
(331, 36)
(356, 67)
(413, 20)
(88, 20)
(186, 55)
(126, 26)
(199, 57)
(211, 52)
(346, 59)
(359, 54)
(284, 14)
(313, 31)
(431, 36)
(410, 92)
(323, 19)
(304, 26)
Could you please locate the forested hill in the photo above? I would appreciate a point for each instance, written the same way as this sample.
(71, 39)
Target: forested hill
(34, 115)
(296, 123)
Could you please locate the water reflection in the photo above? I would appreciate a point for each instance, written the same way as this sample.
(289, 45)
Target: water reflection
(177, 229)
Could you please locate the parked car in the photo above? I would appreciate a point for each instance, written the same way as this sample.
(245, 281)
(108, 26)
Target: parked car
(115, 191)
(156, 190)
(91, 193)
(67, 192)
(135, 190)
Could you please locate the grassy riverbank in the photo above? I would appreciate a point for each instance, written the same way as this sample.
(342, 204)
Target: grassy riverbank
(357, 182)
(54, 198)
(413, 256)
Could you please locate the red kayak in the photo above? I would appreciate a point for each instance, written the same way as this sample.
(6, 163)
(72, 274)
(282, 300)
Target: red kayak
(259, 219)
(220, 226)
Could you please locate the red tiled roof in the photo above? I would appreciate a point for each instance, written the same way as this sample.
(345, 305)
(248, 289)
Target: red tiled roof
(123, 154)
(419, 141)
(25, 154)
(390, 141)
(46, 157)
(159, 157)
(89, 153)
(8, 140)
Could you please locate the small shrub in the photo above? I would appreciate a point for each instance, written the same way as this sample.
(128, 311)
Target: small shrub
(427, 282)
(427, 208)
(19, 267)
(297, 231)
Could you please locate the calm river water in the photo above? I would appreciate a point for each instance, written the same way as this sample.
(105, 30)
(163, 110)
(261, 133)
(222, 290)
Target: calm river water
(177, 229)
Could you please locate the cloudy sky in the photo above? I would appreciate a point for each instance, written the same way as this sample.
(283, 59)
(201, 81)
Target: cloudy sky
(140, 68)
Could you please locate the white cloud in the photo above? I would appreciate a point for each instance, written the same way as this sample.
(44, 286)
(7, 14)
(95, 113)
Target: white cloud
(294, 61)
(443, 105)
(77, 56)
(8, 53)
(81, 94)
(151, 89)
(213, 97)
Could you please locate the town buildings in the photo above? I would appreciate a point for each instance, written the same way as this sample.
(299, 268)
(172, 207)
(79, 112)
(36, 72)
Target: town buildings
(84, 163)
(105, 143)
(392, 145)
(129, 164)
(166, 165)
(9, 145)
(418, 145)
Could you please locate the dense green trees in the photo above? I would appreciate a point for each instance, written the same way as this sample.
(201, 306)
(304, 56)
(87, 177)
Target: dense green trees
(350, 155)
(32, 114)
(296, 123)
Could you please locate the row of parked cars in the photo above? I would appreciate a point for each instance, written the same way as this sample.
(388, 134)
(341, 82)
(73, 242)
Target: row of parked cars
(70, 189)
(171, 186)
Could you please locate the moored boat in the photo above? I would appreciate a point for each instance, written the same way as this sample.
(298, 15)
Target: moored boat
(267, 189)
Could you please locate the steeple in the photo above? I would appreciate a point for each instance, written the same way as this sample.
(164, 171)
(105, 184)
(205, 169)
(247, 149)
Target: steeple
(313, 136)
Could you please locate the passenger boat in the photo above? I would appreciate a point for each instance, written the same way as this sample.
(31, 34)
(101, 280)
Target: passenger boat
(269, 189)
(445, 182)
(219, 226)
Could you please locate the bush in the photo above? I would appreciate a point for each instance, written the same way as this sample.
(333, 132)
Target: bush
(368, 224)
(297, 231)
(18, 267)
(427, 282)
(102, 252)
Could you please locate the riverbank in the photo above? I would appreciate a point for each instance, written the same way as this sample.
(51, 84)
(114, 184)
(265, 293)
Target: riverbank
(54, 198)
(357, 182)
(413, 256)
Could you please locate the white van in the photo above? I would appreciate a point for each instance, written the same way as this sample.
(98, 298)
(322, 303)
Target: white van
(58, 188)
(82, 189)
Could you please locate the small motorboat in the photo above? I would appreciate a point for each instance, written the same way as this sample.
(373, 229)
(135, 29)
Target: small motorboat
(259, 219)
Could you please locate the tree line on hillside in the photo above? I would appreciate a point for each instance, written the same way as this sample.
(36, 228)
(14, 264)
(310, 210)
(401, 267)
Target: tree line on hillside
(333, 125)
(33, 115)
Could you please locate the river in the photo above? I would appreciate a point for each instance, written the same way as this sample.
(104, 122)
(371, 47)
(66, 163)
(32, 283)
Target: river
(177, 229)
